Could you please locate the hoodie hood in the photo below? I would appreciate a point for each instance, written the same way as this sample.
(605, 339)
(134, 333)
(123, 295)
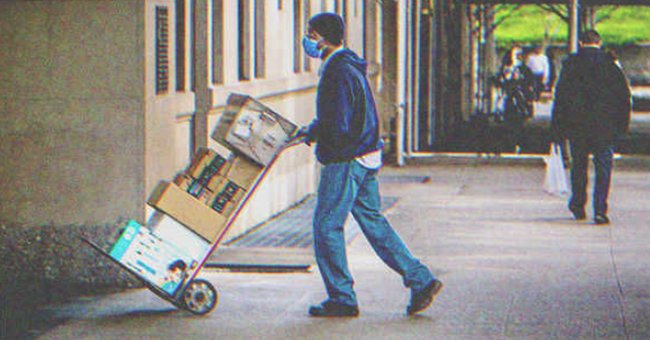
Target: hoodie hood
(349, 57)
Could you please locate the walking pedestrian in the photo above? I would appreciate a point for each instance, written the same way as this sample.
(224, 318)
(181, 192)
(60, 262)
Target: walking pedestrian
(517, 85)
(346, 130)
(552, 69)
(592, 109)
(539, 66)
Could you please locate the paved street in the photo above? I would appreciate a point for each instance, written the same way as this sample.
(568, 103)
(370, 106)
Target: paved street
(514, 264)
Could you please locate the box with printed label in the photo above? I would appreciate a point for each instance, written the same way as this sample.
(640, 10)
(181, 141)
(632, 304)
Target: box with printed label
(203, 193)
(241, 175)
(168, 228)
(156, 260)
(205, 167)
(185, 208)
(253, 129)
(206, 162)
(228, 197)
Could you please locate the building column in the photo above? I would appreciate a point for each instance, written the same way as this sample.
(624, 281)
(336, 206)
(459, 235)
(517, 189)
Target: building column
(402, 38)
(467, 56)
(574, 7)
(202, 76)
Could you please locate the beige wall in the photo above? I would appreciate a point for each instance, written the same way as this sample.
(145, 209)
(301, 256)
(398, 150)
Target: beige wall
(71, 127)
(83, 135)
(166, 141)
(354, 22)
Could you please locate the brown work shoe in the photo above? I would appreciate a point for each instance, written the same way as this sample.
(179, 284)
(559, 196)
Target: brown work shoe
(333, 309)
(601, 219)
(422, 299)
(578, 212)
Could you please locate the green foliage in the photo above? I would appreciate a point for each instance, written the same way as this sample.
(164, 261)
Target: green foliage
(627, 25)
(530, 24)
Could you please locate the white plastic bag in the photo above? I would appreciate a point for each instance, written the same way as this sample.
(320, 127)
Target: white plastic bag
(555, 182)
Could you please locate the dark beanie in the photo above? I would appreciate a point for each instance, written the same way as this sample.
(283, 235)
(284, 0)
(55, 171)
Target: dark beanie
(329, 25)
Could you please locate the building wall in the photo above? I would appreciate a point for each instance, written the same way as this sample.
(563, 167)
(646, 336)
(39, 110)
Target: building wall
(84, 135)
(166, 138)
(71, 101)
(83, 131)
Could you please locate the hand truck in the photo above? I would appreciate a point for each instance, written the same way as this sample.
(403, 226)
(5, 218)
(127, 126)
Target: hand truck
(191, 293)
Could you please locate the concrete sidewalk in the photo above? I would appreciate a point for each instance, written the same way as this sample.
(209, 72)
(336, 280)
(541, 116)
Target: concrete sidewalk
(514, 264)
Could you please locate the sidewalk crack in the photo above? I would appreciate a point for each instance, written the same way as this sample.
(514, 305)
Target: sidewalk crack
(619, 293)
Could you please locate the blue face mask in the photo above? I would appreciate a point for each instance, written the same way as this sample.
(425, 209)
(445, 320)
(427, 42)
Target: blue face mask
(311, 47)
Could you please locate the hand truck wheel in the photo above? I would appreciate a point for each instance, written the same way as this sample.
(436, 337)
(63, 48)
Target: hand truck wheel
(200, 297)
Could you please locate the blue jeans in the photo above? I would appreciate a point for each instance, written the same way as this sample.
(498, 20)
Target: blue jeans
(349, 187)
(602, 158)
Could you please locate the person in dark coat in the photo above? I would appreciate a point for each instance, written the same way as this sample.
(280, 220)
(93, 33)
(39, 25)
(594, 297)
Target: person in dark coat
(346, 130)
(592, 109)
(517, 84)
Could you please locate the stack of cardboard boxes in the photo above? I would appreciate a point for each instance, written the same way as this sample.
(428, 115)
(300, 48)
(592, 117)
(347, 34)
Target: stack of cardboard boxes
(207, 193)
(212, 188)
(198, 205)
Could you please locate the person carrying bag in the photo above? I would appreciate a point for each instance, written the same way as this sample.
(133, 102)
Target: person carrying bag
(555, 181)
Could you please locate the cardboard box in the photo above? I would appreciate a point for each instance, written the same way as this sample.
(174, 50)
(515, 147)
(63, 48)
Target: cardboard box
(154, 258)
(253, 129)
(222, 194)
(228, 198)
(243, 171)
(183, 181)
(168, 228)
(204, 174)
(188, 210)
(208, 162)
(201, 191)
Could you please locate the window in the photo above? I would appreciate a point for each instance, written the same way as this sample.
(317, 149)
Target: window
(243, 41)
(192, 48)
(306, 15)
(217, 41)
(260, 30)
(344, 15)
(366, 31)
(180, 45)
(251, 39)
(162, 47)
(298, 28)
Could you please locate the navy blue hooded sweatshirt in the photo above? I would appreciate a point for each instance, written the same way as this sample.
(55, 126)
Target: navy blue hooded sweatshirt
(346, 124)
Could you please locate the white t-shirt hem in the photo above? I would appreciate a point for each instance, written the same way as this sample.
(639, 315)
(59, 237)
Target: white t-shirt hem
(371, 160)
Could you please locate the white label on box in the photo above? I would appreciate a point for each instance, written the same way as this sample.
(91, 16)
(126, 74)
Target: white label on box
(168, 228)
(243, 128)
(257, 135)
